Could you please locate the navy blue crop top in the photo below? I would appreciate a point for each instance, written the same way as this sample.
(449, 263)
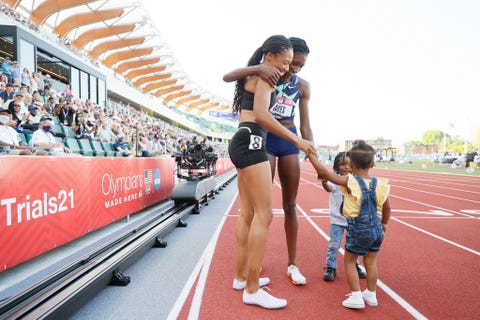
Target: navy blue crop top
(247, 100)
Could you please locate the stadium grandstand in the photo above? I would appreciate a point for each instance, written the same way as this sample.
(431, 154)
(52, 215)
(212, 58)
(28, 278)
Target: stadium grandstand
(96, 79)
(110, 57)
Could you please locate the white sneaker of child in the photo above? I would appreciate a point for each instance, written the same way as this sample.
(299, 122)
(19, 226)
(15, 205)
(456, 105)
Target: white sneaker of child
(354, 300)
(370, 297)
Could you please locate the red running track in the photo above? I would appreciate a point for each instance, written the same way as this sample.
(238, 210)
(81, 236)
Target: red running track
(429, 264)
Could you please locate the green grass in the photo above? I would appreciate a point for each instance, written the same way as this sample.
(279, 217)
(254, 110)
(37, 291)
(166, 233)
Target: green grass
(426, 166)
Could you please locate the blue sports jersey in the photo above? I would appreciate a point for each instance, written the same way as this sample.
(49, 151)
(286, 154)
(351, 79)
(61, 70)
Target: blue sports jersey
(287, 95)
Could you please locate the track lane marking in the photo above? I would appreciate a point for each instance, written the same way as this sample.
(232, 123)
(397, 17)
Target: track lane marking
(392, 294)
(436, 194)
(431, 185)
(402, 302)
(201, 272)
(405, 199)
(437, 237)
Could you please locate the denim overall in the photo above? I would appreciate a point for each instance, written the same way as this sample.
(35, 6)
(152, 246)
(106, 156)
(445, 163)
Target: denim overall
(364, 233)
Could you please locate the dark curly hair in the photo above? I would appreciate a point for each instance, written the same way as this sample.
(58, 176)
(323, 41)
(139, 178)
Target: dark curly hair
(361, 154)
(336, 161)
(275, 44)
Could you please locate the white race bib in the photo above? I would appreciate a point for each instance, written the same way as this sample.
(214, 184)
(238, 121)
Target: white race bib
(255, 142)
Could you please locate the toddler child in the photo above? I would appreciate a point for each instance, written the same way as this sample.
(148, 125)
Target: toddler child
(363, 197)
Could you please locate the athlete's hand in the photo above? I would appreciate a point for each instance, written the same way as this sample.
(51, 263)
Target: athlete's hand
(269, 74)
(306, 146)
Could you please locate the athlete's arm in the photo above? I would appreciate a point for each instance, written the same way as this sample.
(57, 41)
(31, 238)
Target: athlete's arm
(305, 128)
(268, 73)
(261, 103)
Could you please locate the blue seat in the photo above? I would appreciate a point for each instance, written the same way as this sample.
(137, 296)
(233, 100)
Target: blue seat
(108, 147)
(72, 144)
(87, 149)
(68, 132)
(97, 149)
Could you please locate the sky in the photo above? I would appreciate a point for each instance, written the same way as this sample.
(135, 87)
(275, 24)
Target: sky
(376, 68)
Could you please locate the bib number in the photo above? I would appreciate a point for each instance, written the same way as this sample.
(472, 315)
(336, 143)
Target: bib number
(255, 142)
(281, 110)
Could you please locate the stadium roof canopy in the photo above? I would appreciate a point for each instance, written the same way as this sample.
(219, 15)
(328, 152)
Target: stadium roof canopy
(121, 35)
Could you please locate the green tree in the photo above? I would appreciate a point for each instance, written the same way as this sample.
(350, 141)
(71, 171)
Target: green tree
(433, 137)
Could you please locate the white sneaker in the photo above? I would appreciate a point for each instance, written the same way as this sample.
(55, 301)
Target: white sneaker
(294, 274)
(240, 285)
(263, 299)
(370, 298)
(354, 301)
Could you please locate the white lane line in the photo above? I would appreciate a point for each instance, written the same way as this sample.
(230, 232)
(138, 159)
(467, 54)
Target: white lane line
(429, 185)
(437, 194)
(398, 197)
(432, 206)
(203, 266)
(402, 302)
(437, 237)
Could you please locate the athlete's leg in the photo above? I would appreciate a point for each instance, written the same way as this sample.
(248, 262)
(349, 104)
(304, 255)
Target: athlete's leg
(289, 174)
(259, 179)
(273, 164)
(243, 227)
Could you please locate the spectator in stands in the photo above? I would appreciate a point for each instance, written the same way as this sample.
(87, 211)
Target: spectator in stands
(143, 144)
(7, 93)
(24, 91)
(119, 145)
(81, 127)
(155, 147)
(252, 100)
(32, 118)
(3, 78)
(476, 159)
(34, 82)
(47, 86)
(66, 114)
(25, 79)
(41, 85)
(16, 72)
(51, 102)
(36, 97)
(17, 116)
(44, 138)
(9, 137)
(291, 91)
(18, 98)
(104, 133)
(68, 93)
(7, 69)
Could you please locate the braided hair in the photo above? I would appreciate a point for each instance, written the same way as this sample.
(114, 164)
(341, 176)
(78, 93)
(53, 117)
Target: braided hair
(299, 45)
(275, 44)
(336, 162)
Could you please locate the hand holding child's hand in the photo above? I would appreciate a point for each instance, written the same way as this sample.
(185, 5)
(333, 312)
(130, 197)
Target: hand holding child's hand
(306, 146)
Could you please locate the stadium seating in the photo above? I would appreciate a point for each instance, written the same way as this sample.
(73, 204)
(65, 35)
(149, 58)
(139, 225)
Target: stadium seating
(73, 145)
(87, 149)
(22, 137)
(111, 152)
(68, 132)
(97, 149)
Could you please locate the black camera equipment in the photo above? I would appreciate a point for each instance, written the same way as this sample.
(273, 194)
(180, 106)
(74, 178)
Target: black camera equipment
(196, 162)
